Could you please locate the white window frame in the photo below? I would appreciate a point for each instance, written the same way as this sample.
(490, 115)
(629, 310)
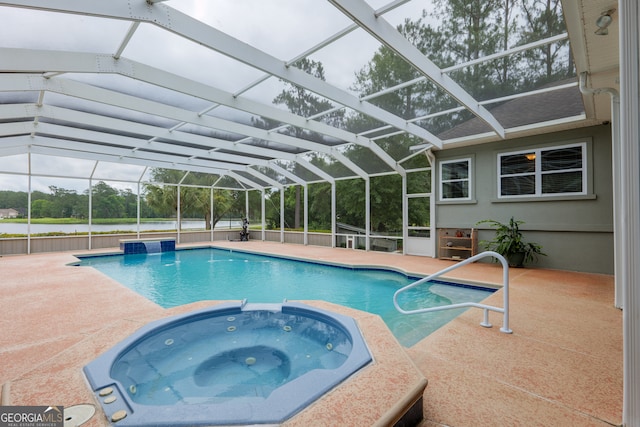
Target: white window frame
(444, 181)
(538, 173)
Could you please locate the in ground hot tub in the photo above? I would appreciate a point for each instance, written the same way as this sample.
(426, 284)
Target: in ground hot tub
(235, 363)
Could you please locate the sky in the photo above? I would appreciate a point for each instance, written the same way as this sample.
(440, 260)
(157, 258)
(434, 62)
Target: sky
(282, 28)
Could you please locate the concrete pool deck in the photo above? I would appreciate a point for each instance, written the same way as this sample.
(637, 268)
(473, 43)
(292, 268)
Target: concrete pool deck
(561, 366)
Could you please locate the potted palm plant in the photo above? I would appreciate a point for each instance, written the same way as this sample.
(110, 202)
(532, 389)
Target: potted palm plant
(510, 243)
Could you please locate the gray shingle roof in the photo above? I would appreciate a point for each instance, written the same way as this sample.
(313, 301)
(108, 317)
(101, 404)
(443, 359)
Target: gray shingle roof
(527, 110)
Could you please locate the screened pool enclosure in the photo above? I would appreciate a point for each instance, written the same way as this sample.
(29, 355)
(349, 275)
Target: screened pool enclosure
(340, 102)
(334, 110)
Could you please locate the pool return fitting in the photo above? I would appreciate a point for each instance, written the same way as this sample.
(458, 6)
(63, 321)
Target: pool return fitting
(485, 322)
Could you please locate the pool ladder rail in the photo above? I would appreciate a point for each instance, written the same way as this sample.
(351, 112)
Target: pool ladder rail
(485, 322)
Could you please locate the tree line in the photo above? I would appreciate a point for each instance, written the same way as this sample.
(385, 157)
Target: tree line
(107, 202)
(156, 201)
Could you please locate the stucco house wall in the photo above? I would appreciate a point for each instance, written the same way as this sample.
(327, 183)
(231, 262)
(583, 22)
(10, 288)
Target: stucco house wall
(576, 232)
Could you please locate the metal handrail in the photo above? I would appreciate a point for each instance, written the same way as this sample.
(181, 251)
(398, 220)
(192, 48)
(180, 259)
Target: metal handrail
(486, 308)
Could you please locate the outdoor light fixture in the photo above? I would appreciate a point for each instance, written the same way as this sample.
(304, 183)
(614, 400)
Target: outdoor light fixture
(603, 22)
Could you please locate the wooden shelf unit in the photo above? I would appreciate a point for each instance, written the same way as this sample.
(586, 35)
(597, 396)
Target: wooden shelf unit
(456, 247)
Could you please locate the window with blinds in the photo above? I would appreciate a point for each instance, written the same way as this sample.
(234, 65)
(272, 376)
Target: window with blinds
(543, 172)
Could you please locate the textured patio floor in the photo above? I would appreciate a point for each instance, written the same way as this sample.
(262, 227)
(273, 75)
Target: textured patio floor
(561, 366)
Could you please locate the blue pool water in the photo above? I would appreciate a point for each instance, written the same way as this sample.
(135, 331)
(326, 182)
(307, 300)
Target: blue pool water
(185, 276)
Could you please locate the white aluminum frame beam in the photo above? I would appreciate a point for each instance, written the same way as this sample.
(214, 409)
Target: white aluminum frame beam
(218, 161)
(13, 150)
(109, 97)
(242, 179)
(121, 154)
(361, 13)
(90, 151)
(40, 61)
(189, 28)
(8, 111)
(263, 177)
(136, 144)
(344, 160)
(316, 170)
(287, 174)
(502, 54)
(16, 128)
(29, 146)
(65, 133)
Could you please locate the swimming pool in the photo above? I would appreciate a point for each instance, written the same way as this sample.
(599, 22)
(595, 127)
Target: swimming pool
(185, 276)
